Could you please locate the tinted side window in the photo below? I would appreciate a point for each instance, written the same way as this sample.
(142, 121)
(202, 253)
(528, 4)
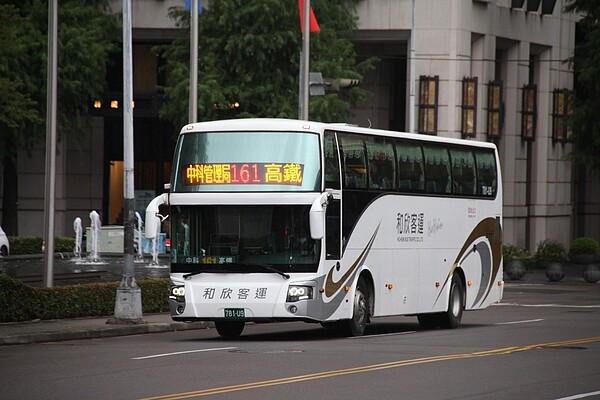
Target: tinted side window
(463, 172)
(332, 230)
(487, 183)
(332, 161)
(382, 169)
(354, 163)
(411, 176)
(437, 169)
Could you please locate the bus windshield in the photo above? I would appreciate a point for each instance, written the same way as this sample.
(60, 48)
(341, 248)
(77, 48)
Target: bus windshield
(242, 239)
(247, 161)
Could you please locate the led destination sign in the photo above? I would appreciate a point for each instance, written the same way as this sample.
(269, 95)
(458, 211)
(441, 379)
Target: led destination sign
(244, 174)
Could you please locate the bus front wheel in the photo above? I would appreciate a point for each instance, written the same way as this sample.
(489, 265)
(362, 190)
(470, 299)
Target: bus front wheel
(356, 325)
(229, 329)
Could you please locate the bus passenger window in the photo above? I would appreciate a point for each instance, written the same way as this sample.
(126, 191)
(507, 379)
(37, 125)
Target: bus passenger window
(353, 156)
(437, 169)
(463, 172)
(332, 163)
(410, 167)
(381, 166)
(486, 174)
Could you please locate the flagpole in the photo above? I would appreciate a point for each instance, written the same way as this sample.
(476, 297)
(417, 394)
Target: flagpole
(193, 99)
(304, 67)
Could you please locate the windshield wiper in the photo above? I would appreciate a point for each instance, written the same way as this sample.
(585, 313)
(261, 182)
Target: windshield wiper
(269, 268)
(186, 276)
(264, 266)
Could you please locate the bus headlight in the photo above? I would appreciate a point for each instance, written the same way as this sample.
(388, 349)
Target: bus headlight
(297, 293)
(177, 293)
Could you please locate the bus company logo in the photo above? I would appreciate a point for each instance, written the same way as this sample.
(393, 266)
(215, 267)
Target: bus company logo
(410, 227)
(434, 226)
(211, 293)
(471, 212)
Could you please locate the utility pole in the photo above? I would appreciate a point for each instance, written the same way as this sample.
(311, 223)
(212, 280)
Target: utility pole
(128, 305)
(411, 73)
(50, 185)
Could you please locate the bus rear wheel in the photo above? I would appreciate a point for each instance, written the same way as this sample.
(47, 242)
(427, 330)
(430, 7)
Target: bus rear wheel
(428, 321)
(229, 329)
(456, 304)
(450, 319)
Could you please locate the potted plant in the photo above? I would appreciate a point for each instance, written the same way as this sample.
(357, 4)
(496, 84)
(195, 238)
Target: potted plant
(583, 250)
(514, 265)
(552, 255)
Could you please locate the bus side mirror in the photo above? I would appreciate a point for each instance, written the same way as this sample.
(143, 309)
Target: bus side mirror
(317, 228)
(315, 218)
(152, 220)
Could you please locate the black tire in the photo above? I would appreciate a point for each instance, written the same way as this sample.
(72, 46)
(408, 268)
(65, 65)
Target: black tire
(356, 325)
(456, 304)
(428, 321)
(3, 251)
(229, 329)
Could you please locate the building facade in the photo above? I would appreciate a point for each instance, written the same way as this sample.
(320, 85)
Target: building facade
(490, 70)
(485, 70)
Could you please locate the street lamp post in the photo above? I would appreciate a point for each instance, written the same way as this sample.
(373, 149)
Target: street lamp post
(128, 304)
(50, 189)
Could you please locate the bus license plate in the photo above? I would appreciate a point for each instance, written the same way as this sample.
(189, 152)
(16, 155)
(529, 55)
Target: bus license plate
(234, 313)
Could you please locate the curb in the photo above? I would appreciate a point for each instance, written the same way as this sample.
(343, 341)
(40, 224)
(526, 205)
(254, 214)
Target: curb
(104, 332)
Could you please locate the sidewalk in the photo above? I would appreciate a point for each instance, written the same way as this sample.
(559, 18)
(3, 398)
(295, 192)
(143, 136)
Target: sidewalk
(88, 328)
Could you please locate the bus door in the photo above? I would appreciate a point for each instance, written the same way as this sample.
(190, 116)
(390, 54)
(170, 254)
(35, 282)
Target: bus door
(333, 242)
(333, 220)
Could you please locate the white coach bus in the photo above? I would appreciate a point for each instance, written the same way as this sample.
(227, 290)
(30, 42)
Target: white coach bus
(279, 220)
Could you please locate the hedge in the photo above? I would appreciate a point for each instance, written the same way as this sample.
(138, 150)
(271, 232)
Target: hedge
(20, 245)
(22, 302)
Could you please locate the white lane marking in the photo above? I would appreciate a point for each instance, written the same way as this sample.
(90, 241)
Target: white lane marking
(547, 305)
(519, 322)
(183, 352)
(580, 396)
(381, 335)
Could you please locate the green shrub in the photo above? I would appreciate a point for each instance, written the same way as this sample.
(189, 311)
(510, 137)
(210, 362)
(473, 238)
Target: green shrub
(550, 250)
(583, 245)
(511, 252)
(64, 244)
(26, 245)
(20, 245)
(21, 302)
(16, 299)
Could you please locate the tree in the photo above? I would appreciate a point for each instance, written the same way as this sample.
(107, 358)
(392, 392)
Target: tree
(17, 107)
(86, 36)
(250, 56)
(586, 67)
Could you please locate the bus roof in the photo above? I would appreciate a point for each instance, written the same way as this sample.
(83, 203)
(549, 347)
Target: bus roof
(279, 124)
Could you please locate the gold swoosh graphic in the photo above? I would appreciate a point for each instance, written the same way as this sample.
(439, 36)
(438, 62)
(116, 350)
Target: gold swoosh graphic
(485, 228)
(330, 286)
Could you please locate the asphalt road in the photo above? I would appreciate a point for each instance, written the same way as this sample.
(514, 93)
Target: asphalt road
(541, 342)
